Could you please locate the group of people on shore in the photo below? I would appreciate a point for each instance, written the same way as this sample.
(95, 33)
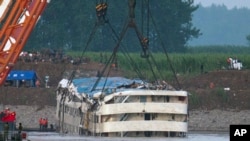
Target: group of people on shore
(43, 124)
(7, 124)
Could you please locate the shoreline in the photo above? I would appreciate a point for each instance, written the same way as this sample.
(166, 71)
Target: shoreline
(199, 120)
(217, 120)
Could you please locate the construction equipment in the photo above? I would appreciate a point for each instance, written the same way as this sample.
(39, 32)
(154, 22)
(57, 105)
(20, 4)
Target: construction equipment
(19, 17)
(8, 127)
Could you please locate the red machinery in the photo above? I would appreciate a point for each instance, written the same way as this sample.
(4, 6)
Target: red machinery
(7, 116)
(19, 18)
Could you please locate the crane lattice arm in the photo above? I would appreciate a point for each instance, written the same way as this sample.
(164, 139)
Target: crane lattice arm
(19, 18)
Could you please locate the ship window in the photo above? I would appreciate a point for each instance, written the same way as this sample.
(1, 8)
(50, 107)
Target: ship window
(142, 98)
(153, 98)
(166, 99)
(173, 117)
(181, 98)
(147, 117)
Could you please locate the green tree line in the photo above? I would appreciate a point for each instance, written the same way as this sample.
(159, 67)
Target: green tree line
(67, 25)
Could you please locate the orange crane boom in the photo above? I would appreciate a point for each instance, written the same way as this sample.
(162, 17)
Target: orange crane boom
(19, 19)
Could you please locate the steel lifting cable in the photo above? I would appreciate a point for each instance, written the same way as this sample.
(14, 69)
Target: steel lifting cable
(107, 64)
(147, 33)
(152, 70)
(140, 38)
(91, 36)
(152, 57)
(81, 57)
(111, 59)
(147, 18)
(85, 48)
(133, 64)
(126, 54)
(154, 62)
(83, 52)
(105, 81)
(150, 54)
(142, 15)
(165, 51)
(157, 68)
(77, 66)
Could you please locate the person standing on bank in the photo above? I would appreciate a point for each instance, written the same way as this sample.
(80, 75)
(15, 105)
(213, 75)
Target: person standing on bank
(40, 124)
(20, 128)
(6, 131)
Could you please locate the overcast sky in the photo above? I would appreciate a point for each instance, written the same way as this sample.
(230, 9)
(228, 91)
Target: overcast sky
(229, 3)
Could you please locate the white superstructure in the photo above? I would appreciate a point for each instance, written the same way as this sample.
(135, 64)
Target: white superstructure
(121, 108)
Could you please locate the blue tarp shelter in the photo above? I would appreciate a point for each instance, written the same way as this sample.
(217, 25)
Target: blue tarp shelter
(18, 77)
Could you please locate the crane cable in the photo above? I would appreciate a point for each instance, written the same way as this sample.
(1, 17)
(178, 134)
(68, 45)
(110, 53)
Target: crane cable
(94, 29)
(126, 54)
(140, 37)
(83, 52)
(111, 59)
(142, 15)
(165, 51)
(150, 54)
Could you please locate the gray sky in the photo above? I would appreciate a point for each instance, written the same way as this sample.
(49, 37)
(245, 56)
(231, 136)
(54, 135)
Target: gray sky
(229, 3)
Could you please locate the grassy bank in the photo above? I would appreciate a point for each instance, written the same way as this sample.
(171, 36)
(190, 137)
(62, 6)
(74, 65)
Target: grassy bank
(211, 58)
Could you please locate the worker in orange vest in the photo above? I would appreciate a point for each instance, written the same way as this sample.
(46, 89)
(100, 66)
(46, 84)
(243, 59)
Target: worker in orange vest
(43, 124)
(40, 123)
(46, 123)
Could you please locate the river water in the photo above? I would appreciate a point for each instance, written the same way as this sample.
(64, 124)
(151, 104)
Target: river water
(38, 136)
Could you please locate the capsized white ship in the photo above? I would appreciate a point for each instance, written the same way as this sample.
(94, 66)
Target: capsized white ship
(121, 107)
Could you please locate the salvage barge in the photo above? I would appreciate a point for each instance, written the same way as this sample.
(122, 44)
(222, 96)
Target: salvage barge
(120, 107)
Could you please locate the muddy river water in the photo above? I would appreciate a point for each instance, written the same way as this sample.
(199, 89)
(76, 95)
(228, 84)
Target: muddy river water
(38, 136)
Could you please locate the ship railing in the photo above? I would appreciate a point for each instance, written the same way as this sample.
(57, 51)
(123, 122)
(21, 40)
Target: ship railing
(121, 99)
(124, 117)
(124, 134)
